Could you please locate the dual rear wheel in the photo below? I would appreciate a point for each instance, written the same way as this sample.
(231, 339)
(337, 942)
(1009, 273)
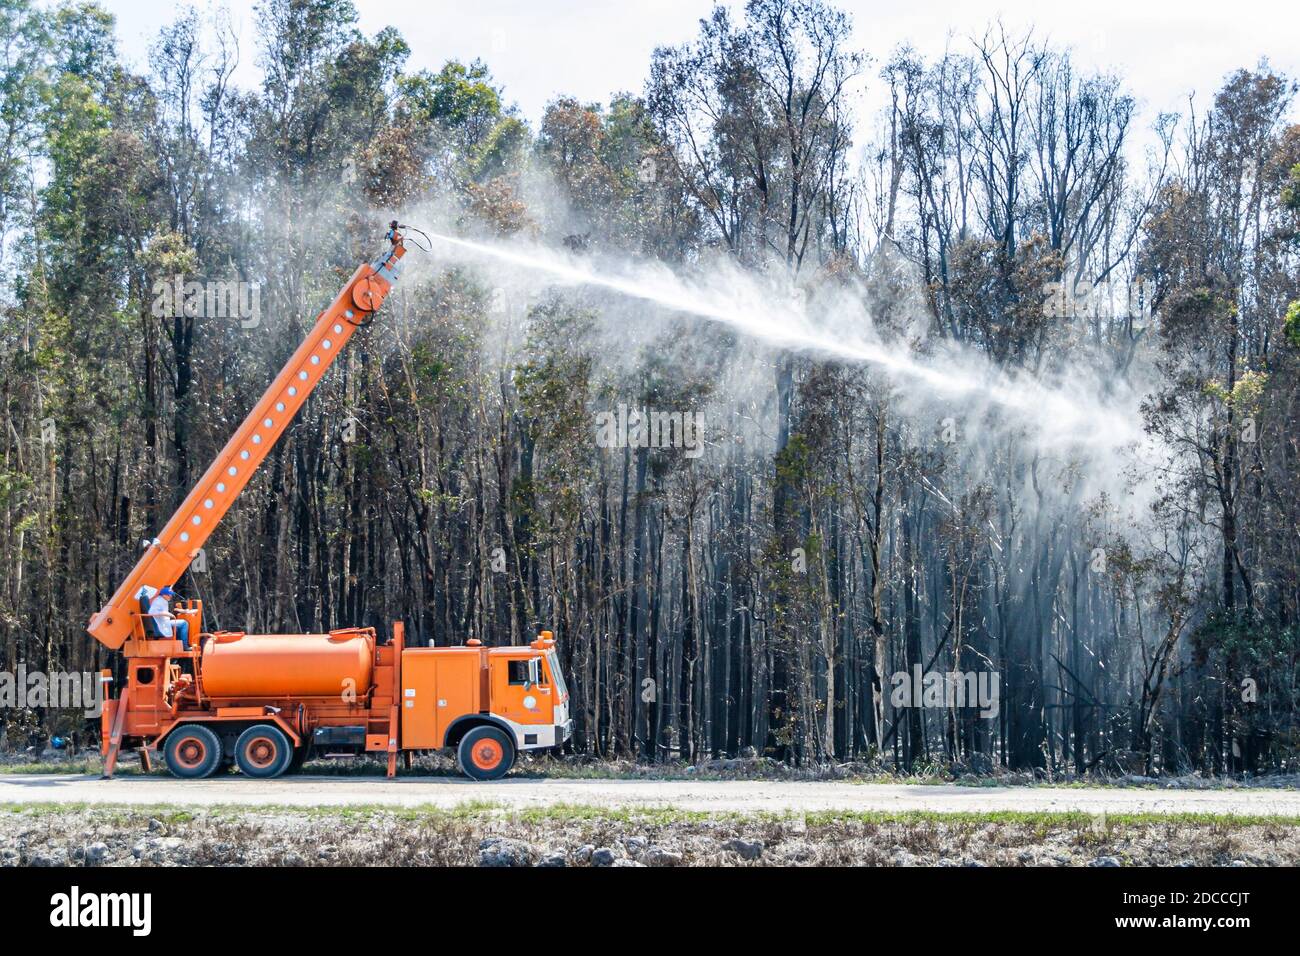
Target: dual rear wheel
(192, 751)
(195, 751)
(263, 751)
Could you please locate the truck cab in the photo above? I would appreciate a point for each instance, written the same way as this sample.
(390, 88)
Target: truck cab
(486, 703)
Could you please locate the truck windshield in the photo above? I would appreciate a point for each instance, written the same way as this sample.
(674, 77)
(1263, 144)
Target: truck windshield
(553, 662)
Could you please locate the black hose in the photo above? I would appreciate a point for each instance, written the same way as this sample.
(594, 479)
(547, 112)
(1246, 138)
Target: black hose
(428, 248)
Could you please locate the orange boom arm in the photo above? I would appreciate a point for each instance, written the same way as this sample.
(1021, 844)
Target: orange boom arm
(168, 555)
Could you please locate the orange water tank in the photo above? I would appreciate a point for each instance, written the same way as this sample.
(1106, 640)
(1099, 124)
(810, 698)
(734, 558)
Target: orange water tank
(292, 665)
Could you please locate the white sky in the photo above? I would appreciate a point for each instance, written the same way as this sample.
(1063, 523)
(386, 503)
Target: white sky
(592, 48)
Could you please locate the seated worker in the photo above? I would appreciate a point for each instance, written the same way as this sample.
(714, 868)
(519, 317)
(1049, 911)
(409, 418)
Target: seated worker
(168, 625)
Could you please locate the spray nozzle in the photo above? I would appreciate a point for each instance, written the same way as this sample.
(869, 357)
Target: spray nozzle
(396, 237)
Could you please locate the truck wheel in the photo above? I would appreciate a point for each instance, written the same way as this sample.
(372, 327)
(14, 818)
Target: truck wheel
(263, 751)
(486, 754)
(192, 751)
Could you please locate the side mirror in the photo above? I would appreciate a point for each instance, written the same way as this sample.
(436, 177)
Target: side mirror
(534, 673)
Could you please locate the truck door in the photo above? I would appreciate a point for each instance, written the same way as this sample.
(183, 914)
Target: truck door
(457, 688)
(519, 690)
(419, 700)
(438, 686)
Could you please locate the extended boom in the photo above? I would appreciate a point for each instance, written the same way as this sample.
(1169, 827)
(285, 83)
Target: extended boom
(168, 555)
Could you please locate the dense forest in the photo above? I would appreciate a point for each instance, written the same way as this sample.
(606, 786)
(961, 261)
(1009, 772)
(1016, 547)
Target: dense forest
(1141, 612)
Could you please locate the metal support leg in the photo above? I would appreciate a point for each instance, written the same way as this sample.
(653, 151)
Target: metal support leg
(392, 741)
(115, 738)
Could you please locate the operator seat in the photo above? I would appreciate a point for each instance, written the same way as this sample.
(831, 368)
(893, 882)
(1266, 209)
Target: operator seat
(151, 629)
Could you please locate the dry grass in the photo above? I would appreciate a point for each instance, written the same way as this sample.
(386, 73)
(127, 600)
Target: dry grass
(362, 836)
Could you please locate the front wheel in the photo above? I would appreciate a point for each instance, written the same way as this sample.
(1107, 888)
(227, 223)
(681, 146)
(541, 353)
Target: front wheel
(192, 752)
(486, 754)
(263, 751)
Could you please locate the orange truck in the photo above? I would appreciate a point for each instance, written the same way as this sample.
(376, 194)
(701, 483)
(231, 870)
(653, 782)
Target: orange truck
(265, 702)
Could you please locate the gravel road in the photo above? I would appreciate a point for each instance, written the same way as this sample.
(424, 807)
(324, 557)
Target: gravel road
(706, 795)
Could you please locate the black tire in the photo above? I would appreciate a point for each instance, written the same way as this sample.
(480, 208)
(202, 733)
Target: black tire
(486, 753)
(263, 751)
(192, 751)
